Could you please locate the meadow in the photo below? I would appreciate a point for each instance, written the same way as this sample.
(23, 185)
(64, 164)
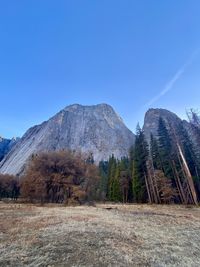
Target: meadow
(100, 235)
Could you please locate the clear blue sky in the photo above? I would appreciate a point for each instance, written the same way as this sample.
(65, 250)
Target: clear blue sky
(127, 53)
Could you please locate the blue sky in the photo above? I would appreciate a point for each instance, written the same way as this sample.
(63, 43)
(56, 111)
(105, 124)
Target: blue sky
(131, 54)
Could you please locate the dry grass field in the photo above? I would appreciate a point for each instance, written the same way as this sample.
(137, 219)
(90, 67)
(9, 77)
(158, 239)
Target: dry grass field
(126, 235)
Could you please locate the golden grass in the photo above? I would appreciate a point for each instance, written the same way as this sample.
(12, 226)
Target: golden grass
(126, 235)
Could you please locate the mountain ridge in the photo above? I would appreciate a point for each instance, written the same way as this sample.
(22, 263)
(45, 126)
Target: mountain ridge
(97, 129)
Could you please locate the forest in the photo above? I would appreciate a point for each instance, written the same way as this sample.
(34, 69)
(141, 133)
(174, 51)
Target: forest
(162, 170)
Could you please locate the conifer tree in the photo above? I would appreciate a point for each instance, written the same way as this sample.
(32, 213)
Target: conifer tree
(189, 151)
(154, 153)
(170, 159)
(165, 148)
(112, 163)
(174, 164)
(116, 194)
(103, 169)
(125, 180)
(140, 186)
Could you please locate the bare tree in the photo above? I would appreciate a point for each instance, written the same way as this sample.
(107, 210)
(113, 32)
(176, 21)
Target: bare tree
(59, 177)
(166, 191)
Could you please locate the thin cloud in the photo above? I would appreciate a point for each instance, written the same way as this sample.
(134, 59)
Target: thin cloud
(169, 86)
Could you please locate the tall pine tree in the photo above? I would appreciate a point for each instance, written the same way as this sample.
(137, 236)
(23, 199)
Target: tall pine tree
(140, 187)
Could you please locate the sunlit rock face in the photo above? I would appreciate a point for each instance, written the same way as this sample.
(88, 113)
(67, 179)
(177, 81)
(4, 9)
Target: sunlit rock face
(97, 129)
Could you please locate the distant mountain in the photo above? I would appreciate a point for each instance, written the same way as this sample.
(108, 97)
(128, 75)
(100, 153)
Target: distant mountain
(97, 129)
(6, 145)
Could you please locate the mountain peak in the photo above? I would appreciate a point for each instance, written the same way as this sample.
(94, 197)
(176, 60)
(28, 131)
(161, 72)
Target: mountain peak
(159, 112)
(97, 110)
(76, 106)
(152, 118)
(96, 129)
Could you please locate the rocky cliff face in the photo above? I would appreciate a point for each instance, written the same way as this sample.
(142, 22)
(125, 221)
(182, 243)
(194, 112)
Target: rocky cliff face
(151, 125)
(97, 129)
(152, 118)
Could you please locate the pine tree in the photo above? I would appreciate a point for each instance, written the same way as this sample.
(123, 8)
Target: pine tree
(154, 164)
(194, 132)
(112, 163)
(174, 164)
(189, 151)
(165, 148)
(136, 182)
(155, 154)
(170, 159)
(125, 180)
(103, 169)
(116, 194)
(140, 185)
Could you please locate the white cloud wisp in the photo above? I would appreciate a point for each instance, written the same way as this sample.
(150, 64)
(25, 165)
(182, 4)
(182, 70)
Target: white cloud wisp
(170, 84)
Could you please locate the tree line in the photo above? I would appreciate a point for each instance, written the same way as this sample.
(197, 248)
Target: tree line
(164, 169)
(54, 177)
(9, 187)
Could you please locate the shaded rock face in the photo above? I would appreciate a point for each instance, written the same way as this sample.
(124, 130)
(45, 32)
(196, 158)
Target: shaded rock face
(97, 129)
(6, 145)
(151, 125)
(152, 118)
